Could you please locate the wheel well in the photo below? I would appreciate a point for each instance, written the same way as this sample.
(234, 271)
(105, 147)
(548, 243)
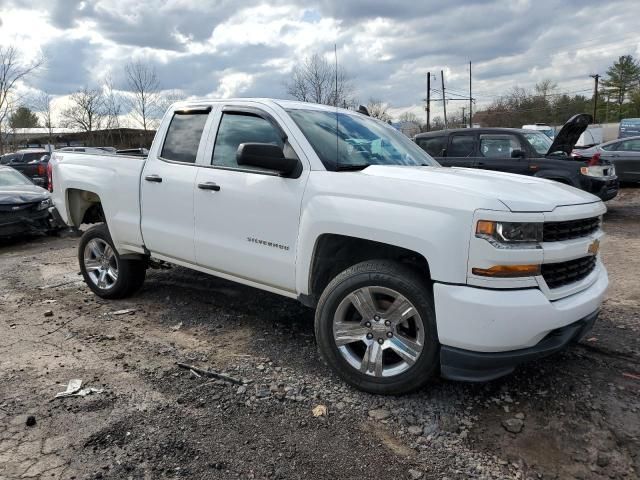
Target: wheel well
(84, 207)
(335, 253)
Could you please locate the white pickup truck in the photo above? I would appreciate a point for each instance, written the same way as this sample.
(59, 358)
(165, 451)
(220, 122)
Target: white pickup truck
(412, 268)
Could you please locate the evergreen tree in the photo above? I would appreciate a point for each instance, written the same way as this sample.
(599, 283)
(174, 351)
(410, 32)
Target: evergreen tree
(23, 117)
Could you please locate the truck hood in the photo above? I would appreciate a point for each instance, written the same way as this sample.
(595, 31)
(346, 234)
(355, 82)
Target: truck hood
(518, 193)
(570, 133)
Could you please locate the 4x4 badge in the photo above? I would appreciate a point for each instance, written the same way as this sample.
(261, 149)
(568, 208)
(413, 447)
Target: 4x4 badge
(593, 248)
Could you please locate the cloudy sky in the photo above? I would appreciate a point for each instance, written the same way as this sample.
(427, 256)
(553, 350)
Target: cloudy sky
(223, 48)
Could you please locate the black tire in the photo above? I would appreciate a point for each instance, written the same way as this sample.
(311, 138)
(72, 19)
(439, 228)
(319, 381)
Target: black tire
(130, 273)
(387, 275)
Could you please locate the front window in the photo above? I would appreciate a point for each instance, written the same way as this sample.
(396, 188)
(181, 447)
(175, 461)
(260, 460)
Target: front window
(498, 146)
(10, 178)
(345, 141)
(183, 137)
(237, 128)
(539, 141)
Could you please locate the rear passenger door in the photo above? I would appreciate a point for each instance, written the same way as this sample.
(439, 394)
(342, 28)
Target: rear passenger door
(626, 158)
(167, 186)
(496, 150)
(461, 150)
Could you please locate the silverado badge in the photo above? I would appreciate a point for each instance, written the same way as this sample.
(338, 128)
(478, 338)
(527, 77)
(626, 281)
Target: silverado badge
(593, 248)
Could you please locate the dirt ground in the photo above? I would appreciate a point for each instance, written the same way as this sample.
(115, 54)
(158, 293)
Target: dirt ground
(577, 413)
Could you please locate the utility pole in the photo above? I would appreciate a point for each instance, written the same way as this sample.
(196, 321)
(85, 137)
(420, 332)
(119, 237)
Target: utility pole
(428, 101)
(464, 119)
(444, 102)
(470, 99)
(595, 96)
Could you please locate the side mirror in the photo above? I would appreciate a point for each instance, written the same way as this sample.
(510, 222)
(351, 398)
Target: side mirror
(518, 154)
(266, 155)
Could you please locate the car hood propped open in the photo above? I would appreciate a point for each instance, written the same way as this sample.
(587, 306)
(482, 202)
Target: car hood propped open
(570, 133)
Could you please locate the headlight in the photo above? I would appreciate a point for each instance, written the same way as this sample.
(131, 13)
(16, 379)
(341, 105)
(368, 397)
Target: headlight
(598, 171)
(44, 204)
(501, 234)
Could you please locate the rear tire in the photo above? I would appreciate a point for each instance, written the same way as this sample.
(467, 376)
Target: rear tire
(104, 271)
(388, 343)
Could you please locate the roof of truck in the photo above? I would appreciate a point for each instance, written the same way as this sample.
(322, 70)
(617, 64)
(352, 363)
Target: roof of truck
(293, 104)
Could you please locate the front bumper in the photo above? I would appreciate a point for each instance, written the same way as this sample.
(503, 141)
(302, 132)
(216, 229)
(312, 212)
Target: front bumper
(30, 222)
(499, 321)
(468, 366)
(605, 188)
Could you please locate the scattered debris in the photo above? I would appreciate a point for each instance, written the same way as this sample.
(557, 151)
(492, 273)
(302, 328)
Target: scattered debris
(196, 374)
(48, 313)
(48, 301)
(126, 311)
(415, 430)
(44, 287)
(209, 373)
(415, 474)
(31, 421)
(513, 425)
(379, 414)
(177, 327)
(320, 411)
(74, 389)
(592, 339)
(631, 375)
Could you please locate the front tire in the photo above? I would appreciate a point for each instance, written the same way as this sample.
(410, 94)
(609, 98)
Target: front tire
(105, 272)
(375, 327)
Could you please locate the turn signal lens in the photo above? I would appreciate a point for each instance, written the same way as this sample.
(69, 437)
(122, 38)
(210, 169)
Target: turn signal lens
(508, 271)
(485, 227)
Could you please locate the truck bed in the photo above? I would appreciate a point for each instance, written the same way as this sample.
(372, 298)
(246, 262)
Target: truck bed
(116, 176)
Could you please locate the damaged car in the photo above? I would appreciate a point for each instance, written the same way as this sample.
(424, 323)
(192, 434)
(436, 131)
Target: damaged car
(25, 208)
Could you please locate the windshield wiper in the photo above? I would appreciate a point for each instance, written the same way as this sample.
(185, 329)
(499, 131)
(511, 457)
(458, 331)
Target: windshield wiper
(355, 166)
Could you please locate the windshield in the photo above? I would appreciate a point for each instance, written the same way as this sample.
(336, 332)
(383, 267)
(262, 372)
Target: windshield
(10, 178)
(360, 141)
(539, 141)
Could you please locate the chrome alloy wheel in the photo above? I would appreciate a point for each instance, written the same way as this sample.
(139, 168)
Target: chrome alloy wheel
(101, 263)
(378, 331)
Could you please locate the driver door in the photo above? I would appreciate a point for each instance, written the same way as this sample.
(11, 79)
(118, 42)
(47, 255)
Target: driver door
(247, 219)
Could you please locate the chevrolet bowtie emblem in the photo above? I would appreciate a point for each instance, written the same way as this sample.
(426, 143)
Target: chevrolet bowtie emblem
(593, 248)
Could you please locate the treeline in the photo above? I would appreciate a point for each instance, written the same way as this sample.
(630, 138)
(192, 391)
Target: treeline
(618, 97)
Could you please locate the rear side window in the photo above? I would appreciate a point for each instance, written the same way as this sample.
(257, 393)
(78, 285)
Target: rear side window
(27, 157)
(629, 146)
(183, 137)
(433, 145)
(461, 146)
(237, 128)
(498, 146)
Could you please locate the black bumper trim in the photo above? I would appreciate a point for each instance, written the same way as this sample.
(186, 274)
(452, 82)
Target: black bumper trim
(469, 366)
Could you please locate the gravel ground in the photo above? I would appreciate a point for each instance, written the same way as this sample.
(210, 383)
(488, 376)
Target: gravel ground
(575, 415)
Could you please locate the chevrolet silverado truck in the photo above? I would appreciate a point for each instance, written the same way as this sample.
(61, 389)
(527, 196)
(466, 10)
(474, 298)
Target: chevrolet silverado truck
(413, 269)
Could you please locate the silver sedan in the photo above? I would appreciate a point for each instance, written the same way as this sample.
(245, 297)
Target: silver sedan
(623, 152)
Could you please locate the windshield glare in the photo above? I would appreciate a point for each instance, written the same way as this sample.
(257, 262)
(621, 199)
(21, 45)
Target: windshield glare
(10, 178)
(360, 142)
(539, 141)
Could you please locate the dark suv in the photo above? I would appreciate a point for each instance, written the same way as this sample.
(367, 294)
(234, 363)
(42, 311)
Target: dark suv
(525, 152)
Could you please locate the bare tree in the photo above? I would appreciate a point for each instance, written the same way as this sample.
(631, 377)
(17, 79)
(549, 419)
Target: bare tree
(12, 70)
(86, 110)
(379, 109)
(314, 80)
(144, 88)
(112, 110)
(409, 117)
(167, 98)
(42, 104)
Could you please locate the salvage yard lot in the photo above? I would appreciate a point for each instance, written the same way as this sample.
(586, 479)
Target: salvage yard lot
(575, 415)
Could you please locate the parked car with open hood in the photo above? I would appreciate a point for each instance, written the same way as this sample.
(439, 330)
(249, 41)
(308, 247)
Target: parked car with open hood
(525, 152)
(624, 153)
(24, 207)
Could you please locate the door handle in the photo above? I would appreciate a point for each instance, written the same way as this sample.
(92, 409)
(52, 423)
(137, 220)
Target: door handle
(153, 178)
(209, 186)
